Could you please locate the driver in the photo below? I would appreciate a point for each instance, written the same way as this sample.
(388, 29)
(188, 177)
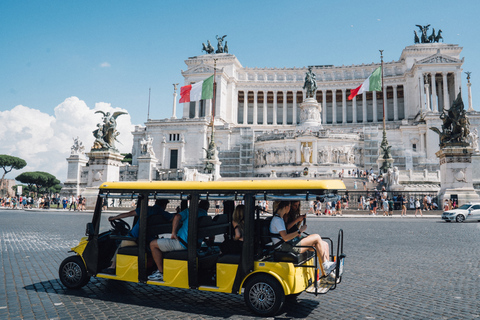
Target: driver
(159, 208)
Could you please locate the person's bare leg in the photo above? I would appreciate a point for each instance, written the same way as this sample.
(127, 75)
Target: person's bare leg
(157, 255)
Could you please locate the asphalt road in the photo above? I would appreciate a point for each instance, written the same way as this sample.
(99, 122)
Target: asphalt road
(396, 268)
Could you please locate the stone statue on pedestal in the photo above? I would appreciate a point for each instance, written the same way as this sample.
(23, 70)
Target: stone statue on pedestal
(310, 84)
(146, 146)
(456, 126)
(106, 133)
(77, 147)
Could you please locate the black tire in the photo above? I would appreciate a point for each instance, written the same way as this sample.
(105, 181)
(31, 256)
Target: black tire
(460, 218)
(73, 273)
(264, 295)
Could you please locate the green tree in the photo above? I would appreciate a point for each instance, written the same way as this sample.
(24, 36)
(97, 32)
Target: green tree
(128, 158)
(8, 163)
(42, 181)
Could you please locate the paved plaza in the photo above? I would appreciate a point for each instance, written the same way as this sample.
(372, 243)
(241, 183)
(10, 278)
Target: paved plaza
(396, 268)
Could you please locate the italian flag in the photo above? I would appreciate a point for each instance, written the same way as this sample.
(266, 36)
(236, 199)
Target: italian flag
(373, 83)
(201, 90)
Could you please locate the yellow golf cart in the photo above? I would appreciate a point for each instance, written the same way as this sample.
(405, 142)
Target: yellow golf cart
(260, 271)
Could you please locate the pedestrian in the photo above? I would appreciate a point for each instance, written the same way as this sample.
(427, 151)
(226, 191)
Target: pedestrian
(385, 207)
(390, 207)
(404, 207)
(417, 208)
(338, 208)
(73, 202)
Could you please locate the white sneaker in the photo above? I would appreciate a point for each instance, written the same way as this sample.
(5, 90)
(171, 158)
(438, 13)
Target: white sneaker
(328, 266)
(156, 276)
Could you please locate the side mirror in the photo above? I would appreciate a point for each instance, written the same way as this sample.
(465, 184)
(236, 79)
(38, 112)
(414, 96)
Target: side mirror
(90, 229)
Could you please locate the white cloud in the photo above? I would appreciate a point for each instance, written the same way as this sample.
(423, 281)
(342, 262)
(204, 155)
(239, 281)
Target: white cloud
(105, 65)
(44, 141)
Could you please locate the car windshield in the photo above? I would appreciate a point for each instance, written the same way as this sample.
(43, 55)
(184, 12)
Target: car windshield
(465, 206)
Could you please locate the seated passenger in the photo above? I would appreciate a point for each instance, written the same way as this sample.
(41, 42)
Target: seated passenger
(178, 240)
(293, 218)
(238, 222)
(158, 208)
(277, 226)
(234, 245)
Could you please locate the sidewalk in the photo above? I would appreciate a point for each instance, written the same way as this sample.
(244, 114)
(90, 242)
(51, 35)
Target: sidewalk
(346, 213)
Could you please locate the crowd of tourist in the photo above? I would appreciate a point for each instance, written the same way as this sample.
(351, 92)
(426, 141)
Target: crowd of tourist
(43, 202)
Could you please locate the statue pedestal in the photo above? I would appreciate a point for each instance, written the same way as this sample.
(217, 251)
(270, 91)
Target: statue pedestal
(381, 161)
(102, 166)
(215, 168)
(456, 174)
(76, 162)
(310, 117)
(146, 167)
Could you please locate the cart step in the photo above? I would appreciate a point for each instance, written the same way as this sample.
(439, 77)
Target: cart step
(322, 287)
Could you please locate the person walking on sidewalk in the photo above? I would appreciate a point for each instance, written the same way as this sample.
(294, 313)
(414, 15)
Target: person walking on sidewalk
(417, 208)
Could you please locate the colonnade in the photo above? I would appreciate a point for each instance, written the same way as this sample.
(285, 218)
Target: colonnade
(438, 100)
(362, 108)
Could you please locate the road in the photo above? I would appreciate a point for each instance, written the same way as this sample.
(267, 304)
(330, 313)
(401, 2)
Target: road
(396, 268)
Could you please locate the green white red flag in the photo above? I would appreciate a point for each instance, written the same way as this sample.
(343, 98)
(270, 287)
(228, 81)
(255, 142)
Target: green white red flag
(372, 83)
(201, 90)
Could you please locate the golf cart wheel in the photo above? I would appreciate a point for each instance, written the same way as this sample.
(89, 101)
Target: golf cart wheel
(264, 295)
(460, 218)
(73, 273)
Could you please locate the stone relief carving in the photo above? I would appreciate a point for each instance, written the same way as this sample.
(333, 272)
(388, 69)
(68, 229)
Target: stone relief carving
(283, 156)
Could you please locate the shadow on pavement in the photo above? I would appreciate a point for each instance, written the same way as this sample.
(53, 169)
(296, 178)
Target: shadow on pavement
(144, 297)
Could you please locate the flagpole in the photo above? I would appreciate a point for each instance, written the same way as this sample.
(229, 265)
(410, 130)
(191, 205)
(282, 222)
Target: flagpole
(386, 157)
(214, 95)
(381, 59)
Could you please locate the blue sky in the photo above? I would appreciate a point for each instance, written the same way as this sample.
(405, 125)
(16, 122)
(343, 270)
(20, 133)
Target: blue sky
(114, 51)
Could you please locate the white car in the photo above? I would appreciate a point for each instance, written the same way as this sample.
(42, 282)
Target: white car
(468, 211)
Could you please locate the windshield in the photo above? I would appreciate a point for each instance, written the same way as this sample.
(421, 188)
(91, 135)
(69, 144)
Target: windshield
(465, 206)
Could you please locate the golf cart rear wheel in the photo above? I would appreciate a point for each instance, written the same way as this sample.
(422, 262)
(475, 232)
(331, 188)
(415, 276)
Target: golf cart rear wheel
(264, 295)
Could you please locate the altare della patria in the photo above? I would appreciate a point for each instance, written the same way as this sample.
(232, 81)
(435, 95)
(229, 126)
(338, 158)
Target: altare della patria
(290, 122)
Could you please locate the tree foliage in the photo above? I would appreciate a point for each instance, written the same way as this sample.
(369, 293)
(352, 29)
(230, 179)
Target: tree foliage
(8, 163)
(127, 158)
(42, 181)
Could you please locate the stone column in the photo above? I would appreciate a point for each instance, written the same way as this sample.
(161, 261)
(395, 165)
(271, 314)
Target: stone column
(445, 92)
(395, 103)
(255, 107)
(284, 113)
(274, 107)
(265, 94)
(245, 108)
(470, 105)
(354, 109)
(294, 108)
(344, 105)
(324, 106)
(197, 108)
(375, 111)
(364, 107)
(334, 106)
(422, 92)
(174, 111)
(434, 92)
(456, 83)
(427, 96)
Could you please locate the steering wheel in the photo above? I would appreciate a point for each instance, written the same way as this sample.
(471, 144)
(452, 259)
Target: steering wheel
(120, 227)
